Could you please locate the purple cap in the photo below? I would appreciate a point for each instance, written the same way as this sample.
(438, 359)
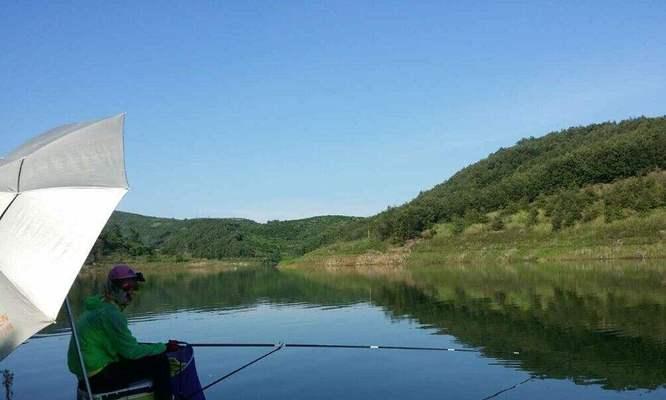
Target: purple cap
(124, 271)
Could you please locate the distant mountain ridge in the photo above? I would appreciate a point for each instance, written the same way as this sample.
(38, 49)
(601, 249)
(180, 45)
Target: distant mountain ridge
(138, 235)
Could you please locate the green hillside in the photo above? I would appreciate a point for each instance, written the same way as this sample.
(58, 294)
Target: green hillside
(546, 171)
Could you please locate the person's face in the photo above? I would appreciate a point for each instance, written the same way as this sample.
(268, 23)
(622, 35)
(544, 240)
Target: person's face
(130, 286)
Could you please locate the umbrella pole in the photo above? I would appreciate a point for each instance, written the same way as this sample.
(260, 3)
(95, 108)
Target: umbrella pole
(75, 335)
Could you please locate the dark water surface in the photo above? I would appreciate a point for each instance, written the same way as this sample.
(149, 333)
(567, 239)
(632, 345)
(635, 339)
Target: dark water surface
(593, 331)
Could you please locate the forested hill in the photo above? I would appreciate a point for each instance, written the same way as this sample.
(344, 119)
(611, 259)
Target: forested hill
(138, 235)
(547, 172)
(580, 174)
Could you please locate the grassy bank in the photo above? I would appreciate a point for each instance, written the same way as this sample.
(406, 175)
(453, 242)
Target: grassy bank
(642, 236)
(354, 253)
(521, 238)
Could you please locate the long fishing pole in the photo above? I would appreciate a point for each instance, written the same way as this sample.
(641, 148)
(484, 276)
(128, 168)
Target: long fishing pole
(280, 346)
(339, 346)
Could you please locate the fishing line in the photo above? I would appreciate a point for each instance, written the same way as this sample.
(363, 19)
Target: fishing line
(492, 396)
(215, 382)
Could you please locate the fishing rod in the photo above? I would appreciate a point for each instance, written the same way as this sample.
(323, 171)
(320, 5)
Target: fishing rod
(279, 346)
(339, 346)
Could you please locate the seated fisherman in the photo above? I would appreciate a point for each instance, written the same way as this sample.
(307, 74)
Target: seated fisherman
(112, 356)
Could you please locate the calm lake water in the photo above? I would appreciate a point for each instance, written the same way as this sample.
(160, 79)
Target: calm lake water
(593, 331)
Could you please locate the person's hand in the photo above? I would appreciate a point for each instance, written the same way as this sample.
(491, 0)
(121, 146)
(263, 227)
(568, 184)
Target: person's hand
(172, 345)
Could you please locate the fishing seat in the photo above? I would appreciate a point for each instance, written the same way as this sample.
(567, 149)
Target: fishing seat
(140, 390)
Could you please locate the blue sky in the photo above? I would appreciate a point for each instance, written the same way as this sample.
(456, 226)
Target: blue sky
(285, 109)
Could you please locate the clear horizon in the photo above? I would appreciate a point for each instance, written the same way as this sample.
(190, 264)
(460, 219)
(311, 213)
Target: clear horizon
(297, 109)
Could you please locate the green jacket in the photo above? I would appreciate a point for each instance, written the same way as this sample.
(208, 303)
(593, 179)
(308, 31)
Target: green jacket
(105, 338)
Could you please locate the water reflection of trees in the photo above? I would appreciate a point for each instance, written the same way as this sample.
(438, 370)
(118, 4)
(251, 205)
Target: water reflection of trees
(546, 348)
(566, 324)
(589, 323)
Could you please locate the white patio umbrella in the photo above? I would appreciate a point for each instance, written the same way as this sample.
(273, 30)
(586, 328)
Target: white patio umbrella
(57, 192)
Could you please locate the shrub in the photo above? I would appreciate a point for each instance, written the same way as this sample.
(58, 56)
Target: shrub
(458, 225)
(497, 223)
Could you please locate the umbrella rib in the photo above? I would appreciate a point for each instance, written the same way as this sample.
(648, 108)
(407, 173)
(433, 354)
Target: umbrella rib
(18, 189)
(18, 178)
(10, 204)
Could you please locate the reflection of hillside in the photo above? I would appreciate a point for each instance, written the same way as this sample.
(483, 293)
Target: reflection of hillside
(556, 351)
(578, 323)
(583, 323)
(629, 298)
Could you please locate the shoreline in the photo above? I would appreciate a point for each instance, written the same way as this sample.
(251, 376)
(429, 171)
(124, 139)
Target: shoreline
(191, 265)
(370, 260)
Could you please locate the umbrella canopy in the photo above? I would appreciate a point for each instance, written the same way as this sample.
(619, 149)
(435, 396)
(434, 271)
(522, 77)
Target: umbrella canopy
(56, 194)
